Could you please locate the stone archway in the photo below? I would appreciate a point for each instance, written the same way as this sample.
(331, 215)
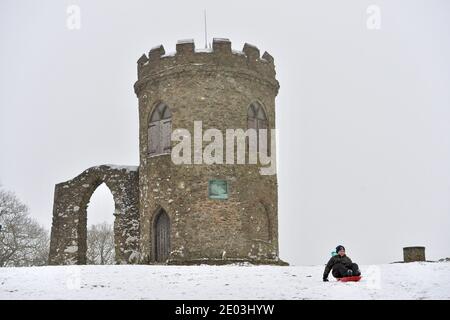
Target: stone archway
(69, 226)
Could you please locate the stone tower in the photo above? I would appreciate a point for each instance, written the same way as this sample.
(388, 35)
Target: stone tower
(185, 213)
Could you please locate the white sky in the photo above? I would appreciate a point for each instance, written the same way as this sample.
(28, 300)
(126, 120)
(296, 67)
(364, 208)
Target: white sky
(363, 115)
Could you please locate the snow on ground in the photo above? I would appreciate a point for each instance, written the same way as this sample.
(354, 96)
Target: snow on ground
(419, 280)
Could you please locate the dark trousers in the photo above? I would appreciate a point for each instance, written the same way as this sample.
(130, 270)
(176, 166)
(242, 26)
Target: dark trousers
(339, 270)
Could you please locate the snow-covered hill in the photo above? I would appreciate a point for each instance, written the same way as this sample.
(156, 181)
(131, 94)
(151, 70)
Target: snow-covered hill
(391, 281)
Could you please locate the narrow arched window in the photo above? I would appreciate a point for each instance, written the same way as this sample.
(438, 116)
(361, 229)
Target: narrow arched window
(159, 130)
(256, 118)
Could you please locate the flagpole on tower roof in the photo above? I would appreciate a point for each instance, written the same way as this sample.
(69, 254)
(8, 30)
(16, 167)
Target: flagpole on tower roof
(206, 31)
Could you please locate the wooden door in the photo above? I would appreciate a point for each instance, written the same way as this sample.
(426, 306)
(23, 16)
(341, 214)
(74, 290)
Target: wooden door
(162, 237)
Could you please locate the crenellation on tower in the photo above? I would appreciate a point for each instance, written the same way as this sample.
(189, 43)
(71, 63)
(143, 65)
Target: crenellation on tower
(266, 56)
(252, 52)
(185, 47)
(247, 62)
(221, 45)
(155, 54)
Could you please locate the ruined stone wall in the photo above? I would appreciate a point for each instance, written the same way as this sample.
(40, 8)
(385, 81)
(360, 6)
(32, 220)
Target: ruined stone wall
(69, 226)
(215, 87)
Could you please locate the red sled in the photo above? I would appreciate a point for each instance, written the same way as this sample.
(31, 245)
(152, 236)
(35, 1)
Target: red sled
(352, 278)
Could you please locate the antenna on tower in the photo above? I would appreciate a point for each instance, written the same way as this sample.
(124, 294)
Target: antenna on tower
(206, 31)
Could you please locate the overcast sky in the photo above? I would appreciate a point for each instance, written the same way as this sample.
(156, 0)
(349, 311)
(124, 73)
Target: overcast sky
(363, 115)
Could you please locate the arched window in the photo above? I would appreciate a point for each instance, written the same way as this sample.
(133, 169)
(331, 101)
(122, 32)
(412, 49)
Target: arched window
(257, 119)
(159, 130)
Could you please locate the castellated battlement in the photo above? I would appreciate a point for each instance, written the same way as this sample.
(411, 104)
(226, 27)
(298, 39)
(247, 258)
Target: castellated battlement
(221, 57)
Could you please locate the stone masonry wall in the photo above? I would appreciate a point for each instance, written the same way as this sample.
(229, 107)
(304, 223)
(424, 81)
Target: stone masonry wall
(214, 87)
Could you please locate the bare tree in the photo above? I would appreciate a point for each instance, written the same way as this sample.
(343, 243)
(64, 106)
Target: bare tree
(23, 242)
(100, 244)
